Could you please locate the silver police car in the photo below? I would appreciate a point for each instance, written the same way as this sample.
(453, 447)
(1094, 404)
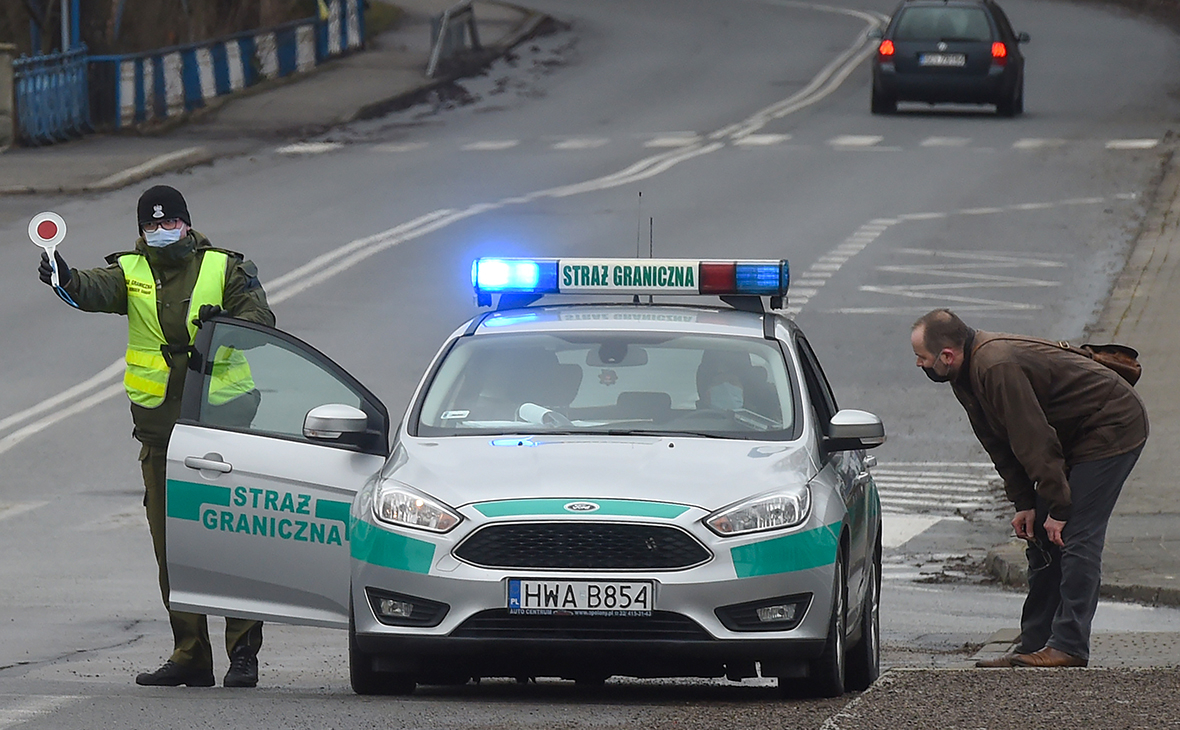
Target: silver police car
(577, 490)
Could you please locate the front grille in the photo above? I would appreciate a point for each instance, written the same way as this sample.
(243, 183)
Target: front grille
(661, 625)
(582, 546)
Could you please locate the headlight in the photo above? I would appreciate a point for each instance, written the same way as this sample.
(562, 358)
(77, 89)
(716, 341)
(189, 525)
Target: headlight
(402, 506)
(783, 508)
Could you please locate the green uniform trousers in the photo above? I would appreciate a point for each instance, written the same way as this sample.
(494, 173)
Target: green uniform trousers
(190, 631)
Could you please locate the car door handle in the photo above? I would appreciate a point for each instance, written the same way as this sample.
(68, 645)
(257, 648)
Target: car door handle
(860, 480)
(194, 462)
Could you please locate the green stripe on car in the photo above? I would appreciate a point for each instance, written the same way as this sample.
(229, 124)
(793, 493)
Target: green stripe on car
(787, 554)
(595, 507)
(185, 498)
(387, 549)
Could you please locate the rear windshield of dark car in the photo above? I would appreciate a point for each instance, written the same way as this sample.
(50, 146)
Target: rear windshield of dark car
(943, 24)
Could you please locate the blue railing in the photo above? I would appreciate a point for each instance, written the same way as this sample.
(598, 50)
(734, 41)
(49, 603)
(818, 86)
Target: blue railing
(52, 101)
(156, 85)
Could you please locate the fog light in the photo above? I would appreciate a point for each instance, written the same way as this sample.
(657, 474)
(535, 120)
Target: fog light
(390, 608)
(785, 612)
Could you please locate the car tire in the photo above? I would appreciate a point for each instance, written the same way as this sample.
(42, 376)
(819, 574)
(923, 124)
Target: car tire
(864, 659)
(1013, 104)
(882, 103)
(364, 679)
(826, 673)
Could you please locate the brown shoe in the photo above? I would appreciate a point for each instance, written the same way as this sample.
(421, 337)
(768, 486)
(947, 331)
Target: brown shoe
(1048, 657)
(999, 662)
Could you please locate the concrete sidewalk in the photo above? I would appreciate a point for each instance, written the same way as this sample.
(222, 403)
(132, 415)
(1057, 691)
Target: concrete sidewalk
(391, 70)
(1142, 557)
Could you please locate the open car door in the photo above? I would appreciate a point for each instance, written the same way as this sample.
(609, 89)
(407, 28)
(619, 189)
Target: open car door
(273, 443)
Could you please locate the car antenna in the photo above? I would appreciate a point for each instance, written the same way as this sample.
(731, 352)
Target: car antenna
(650, 244)
(638, 235)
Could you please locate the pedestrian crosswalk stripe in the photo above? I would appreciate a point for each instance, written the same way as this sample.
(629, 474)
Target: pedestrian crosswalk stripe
(309, 148)
(933, 488)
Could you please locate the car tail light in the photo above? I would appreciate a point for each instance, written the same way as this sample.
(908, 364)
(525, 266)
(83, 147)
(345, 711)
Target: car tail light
(885, 50)
(999, 53)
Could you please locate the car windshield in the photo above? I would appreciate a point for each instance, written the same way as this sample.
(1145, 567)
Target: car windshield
(612, 383)
(945, 23)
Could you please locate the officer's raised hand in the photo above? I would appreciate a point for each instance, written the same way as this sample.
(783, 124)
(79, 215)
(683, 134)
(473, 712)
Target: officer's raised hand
(45, 270)
(206, 313)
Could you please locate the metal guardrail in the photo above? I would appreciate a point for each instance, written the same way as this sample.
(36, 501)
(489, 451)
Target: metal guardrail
(51, 95)
(168, 82)
(452, 33)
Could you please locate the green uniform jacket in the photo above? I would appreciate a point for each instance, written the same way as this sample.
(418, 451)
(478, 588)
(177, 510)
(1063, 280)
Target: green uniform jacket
(175, 269)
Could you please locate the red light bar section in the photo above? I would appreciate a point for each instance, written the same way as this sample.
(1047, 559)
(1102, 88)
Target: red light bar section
(718, 278)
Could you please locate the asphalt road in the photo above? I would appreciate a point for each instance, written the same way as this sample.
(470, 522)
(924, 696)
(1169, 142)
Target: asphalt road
(745, 126)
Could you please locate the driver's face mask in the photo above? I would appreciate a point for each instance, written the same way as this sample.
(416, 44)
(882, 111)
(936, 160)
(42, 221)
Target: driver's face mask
(725, 396)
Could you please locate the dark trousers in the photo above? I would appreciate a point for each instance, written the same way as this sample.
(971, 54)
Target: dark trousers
(190, 631)
(1063, 582)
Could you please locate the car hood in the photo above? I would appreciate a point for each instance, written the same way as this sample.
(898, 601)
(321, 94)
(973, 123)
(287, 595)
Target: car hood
(706, 473)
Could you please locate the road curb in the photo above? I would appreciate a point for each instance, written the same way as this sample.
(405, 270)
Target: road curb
(1007, 563)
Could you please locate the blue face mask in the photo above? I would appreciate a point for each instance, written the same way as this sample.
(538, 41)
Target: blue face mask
(725, 396)
(162, 237)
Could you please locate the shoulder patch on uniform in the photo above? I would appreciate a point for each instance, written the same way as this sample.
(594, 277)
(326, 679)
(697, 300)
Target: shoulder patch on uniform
(250, 270)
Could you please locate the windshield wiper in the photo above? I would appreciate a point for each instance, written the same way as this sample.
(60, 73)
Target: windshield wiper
(641, 432)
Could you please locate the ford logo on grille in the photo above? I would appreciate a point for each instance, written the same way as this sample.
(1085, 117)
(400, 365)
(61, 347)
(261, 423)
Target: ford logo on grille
(581, 507)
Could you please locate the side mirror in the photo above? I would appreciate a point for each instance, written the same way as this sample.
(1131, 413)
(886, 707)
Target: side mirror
(875, 34)
(851, 430)
(1022, 38)
(330, 422)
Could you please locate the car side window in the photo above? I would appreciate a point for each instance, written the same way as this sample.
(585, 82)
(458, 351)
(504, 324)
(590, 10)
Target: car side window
(265, 382)
(818, 389)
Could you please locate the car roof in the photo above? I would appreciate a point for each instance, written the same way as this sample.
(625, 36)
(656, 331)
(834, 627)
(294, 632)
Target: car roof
(685, 319)
(946, 3)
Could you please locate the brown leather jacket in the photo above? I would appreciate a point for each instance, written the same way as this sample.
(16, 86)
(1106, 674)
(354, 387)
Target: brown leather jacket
(1038, 409)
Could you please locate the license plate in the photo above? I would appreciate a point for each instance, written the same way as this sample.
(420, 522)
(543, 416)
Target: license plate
(942, 59)
(580, 597)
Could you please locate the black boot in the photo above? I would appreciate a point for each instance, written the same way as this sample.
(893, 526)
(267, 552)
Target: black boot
(243, 668)
(174, 675)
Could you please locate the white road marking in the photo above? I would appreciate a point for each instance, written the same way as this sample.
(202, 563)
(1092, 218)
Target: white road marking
(937, 488)
(309, 148)
(946, 141)
(922, 216)
(855, 140)
(674, 140)
(581, 144)
(1036, 143)
(12, 509)
(25, 708)
(399, 147)
(1131, 144)
(896, 530)
(761, 140)
(491, 145)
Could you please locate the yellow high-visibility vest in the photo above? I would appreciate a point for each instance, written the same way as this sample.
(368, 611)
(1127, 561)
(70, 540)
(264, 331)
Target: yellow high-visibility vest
(146, 375)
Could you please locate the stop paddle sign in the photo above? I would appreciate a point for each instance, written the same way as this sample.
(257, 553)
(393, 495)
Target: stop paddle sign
(47, 230)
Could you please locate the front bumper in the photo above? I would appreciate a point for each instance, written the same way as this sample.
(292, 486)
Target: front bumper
(685, 636)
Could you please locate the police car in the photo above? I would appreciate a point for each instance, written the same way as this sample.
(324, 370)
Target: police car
(577, 490)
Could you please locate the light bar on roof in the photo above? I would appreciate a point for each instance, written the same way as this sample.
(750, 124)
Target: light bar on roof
(631, 276)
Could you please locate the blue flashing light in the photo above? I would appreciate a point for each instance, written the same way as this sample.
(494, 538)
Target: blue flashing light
(514, 442)
(761, 278)
(515, 275)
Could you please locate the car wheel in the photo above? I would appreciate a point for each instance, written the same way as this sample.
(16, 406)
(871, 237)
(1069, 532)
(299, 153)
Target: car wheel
(864, 659)
(827, 671)
(1012, 104)
(364, 679)
(883, 104)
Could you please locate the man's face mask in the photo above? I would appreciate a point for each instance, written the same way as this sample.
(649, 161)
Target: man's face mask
(935, 375)
(725, 396)
(162, 237)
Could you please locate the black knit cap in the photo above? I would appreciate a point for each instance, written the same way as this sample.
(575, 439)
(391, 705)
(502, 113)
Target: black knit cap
(160, 202)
